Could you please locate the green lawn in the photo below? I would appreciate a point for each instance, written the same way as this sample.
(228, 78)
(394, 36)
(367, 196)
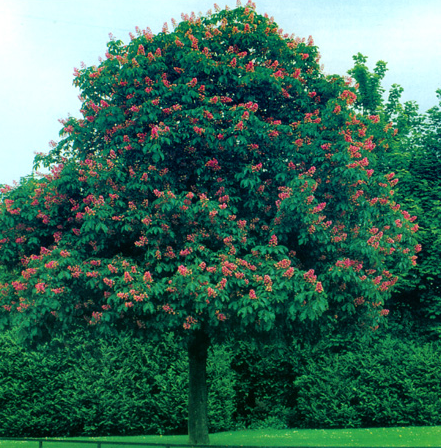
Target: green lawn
(379, 437)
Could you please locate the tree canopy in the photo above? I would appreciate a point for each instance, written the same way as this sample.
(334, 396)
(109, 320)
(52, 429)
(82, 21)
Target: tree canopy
(218, 183)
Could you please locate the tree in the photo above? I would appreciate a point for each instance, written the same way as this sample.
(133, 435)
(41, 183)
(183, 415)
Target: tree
(418, 160)
(370, 94)
(218, 185)
(414, 154)
(428, 169)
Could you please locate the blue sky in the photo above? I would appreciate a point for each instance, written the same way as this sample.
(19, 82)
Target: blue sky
(41, 41)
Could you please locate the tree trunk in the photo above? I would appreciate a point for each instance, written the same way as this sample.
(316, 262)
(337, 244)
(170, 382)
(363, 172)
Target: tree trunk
(197, 394)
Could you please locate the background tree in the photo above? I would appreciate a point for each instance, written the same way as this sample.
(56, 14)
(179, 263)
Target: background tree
(415, 156)
(218, 185)
(418, 159)
(370, 91)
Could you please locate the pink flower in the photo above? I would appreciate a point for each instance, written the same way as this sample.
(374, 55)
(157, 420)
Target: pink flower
(40, 287)
(183, 270)
(239, 126)
(319, 207)
(377, 280)
(57, 290)
(309, 276)
(18, 286)
(213, 164)
(289, 272)
(51, 265)
(97, 316)
(374, 118)
(193, 82)
(221, 285)
(148, 277)
(28, 272)
(198, 130)
(273, 241)
(154, 133)
(108, 282)
(267, 280)
(283, 264)
(211, 292)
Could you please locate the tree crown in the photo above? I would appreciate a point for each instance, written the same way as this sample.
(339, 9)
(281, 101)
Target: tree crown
(218, 179)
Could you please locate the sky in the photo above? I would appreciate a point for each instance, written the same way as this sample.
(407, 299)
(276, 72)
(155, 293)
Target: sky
(41, 41)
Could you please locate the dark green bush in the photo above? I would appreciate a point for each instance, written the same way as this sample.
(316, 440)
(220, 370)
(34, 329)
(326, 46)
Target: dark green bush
(29, 390)
(265, 374)
(82, 386)
(95, 387)
(389, 383)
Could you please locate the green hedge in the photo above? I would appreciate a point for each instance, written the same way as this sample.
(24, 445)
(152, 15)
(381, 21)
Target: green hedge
(391, 383)
(96, 387)
(79, 386)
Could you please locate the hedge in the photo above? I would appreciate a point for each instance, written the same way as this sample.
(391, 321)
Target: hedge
(87, 387)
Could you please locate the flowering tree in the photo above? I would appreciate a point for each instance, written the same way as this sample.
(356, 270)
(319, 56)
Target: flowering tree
(218, 184)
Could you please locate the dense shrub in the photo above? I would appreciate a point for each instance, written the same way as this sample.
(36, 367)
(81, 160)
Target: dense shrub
(390, 383)
(264, 386)
(79, 386)
(100, 387)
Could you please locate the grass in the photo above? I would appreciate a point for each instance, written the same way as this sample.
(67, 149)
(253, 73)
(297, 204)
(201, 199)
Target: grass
(422, 436)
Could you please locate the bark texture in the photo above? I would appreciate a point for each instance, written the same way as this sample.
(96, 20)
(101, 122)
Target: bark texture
(198, 394)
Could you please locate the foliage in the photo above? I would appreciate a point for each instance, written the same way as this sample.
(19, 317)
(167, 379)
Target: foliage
(218, 180)
(98, 387)
(265, 374)
(84, 387)
(370, 96)
(414, 155)
(421, 193)
(392, 383)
